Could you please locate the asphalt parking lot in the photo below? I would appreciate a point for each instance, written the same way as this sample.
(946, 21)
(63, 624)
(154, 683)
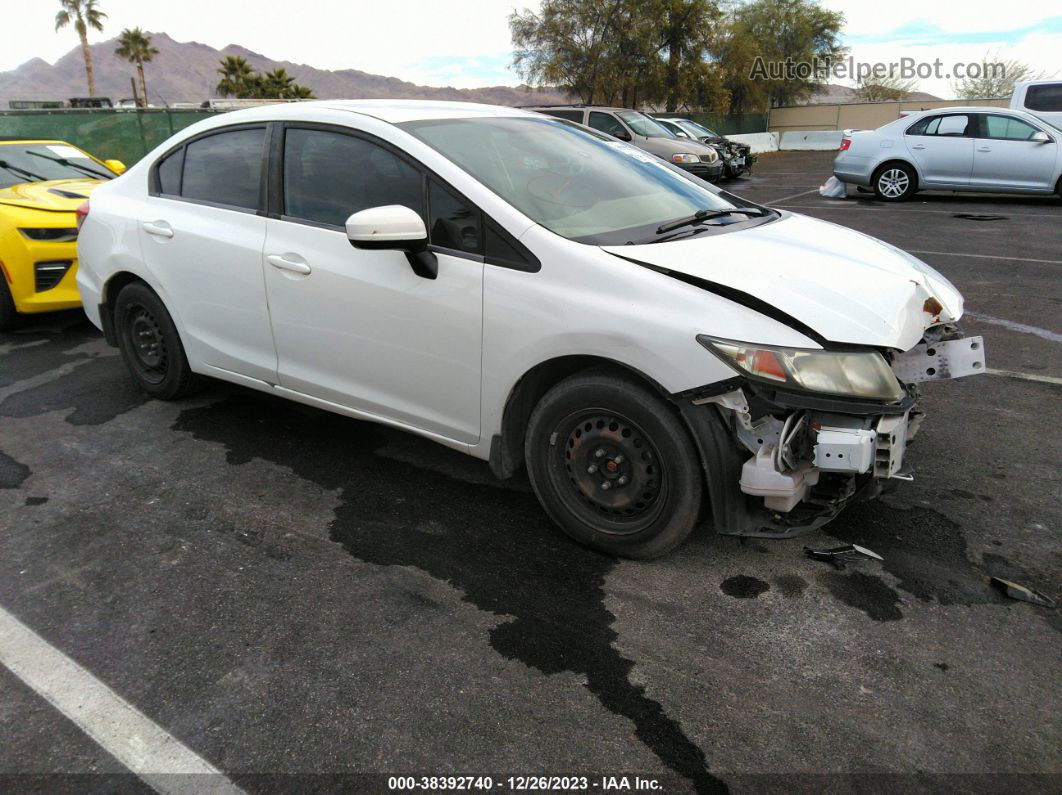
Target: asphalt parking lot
(302, 599)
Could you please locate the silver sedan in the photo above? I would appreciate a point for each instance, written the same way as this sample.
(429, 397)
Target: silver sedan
(994, 150)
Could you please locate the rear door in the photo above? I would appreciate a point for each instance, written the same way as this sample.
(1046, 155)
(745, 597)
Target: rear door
(1005, 156)
(942, 147)
(202, 229)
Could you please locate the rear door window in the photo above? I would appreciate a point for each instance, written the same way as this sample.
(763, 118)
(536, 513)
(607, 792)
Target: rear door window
(224, 168)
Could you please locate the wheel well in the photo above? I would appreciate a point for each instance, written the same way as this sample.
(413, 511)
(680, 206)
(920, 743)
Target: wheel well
(897, 162)
(507, 448)
(111, 288)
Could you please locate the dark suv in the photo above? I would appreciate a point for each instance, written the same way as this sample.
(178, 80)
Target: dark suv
(644, 132)
(737, 157)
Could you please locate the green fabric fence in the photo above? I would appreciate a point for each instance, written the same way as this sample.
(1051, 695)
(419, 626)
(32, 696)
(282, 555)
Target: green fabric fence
(122, 134)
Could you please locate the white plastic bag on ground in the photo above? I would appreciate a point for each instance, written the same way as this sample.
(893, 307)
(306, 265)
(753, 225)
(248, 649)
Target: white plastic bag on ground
(834, 189)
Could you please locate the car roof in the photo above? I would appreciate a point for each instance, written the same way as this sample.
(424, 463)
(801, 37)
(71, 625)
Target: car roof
(388, 110)
(606, 108)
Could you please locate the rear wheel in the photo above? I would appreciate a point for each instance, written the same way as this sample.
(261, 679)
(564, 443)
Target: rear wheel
(150, 346)
(895, 182)
(613, 465)
(8, 316)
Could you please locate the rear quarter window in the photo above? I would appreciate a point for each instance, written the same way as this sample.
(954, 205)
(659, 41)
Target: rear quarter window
(224, 168)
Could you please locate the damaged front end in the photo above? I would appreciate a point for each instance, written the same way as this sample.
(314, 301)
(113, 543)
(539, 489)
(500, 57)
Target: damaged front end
(803, 433)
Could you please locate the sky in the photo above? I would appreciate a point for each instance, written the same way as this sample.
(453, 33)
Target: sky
(466, 43)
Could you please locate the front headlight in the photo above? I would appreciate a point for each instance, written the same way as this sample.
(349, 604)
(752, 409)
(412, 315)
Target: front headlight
(685, 158)
(852, 374)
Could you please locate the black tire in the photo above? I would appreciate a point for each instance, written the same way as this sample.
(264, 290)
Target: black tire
(895, 182)
(598, 428)
(150, 345)
(9, 318)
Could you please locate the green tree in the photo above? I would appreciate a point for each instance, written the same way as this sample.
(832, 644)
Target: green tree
(617, 51)
(302, 92)
(277, 84)
(885, 88)
(763, 33)
(84, 14)
(135, 46)
(997, 79)
(235, 73)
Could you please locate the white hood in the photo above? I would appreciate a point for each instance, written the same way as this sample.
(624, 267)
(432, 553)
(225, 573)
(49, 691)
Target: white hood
(847, 286)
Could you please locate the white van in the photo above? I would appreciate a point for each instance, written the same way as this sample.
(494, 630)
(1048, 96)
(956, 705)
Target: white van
(1040, 97)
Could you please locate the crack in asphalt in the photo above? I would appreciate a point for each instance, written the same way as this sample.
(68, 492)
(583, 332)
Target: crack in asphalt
(493, 544)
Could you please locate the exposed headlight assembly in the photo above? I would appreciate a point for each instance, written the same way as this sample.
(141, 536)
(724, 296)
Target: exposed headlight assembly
(848, 373)
(685, 158)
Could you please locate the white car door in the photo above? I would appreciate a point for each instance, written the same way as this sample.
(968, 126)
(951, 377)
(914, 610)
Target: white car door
(942, 147)
(1005, 156)
(201, 235)
(358, 327)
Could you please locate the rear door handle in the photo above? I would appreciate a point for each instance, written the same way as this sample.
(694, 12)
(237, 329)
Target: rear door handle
(158, 228)
(984, 149)
(288, 264)
(919, 146)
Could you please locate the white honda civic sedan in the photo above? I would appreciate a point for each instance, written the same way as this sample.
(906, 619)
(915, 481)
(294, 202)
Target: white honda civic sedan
(528, 291)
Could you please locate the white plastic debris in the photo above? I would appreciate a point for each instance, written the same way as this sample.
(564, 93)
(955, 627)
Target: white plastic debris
(833, 188)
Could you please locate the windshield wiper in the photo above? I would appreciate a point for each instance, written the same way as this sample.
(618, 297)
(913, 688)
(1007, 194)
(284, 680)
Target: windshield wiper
(705, 215)
(70, 164)
(25, 174)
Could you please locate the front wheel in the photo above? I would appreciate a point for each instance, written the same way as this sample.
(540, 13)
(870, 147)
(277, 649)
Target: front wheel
(895, 182)
(150, 345)
(613, 465)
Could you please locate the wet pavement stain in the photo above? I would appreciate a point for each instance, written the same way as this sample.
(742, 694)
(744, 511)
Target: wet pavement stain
(36, 500)
(96, 391)
(36, 351)
(791, 585)
(12, 472)
(493, 544)
(743, 587)
(864, 592)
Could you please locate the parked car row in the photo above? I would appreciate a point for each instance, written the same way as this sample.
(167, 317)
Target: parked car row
(689, 146)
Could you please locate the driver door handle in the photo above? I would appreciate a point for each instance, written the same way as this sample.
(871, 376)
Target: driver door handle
(286, 264)
(158, 228)
(984, 149)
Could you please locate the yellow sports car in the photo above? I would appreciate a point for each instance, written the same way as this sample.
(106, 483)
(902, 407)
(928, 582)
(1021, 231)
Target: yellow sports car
(42, 184)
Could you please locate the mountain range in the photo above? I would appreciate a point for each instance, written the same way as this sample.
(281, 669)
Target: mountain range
(186, 71)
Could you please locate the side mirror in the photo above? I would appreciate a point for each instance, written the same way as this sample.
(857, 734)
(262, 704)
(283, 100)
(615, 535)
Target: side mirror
(117, 166)
(1041, 137)
(623, 135)
(397, 227)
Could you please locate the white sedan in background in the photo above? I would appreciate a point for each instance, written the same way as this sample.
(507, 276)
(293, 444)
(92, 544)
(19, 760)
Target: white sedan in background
(987, 150)
(527, 291)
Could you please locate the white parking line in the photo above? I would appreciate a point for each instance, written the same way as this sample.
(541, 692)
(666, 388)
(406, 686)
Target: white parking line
(1043, 379)
(794, 196)
(986, 256)
(157, 757)
(1010, 324)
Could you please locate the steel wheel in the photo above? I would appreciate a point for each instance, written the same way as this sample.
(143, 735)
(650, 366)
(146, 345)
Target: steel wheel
(608, 471)
(147, 343)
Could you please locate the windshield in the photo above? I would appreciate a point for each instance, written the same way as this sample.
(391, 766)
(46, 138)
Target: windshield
(578, 183)
(695, 129)
(643, 125)
(37, 162)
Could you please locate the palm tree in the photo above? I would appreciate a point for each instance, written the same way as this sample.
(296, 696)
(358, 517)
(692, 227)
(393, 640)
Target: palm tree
(84, 14)
(302, 92)
(236, 74)
(277, 84)
(135, 46)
